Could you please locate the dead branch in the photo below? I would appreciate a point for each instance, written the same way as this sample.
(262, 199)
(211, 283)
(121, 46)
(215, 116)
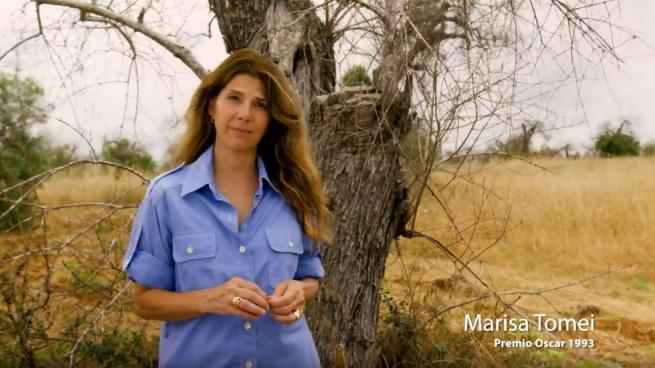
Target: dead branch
(537, 292)
(47, 174)
(105, 14)
(18, 44)
(103, 311)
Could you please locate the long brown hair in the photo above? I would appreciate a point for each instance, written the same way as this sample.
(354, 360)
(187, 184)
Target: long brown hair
(284, 147)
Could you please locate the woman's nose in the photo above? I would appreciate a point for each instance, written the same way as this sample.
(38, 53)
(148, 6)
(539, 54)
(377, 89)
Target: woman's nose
(244, 112)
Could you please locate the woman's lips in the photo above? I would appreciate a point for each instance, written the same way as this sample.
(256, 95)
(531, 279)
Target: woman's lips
(243, 131)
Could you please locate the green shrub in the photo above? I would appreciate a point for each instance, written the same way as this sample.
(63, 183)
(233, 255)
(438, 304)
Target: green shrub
(409, 338)
(61, 155)
(356, 76)
(22, 155)
(127, 153)
(617, 144)
(121, 349)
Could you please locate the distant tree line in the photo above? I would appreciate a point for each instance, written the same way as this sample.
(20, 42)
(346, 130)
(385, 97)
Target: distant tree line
(127, 153)
(610, 143)
(24, 153)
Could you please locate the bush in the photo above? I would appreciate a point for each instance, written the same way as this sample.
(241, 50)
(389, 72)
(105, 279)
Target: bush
(22, 155)
(61, 155)
(648, 149)
(122, 349)
(617, 143)
(127, 153)
(356, 76)
(407, 339)
(113, 349)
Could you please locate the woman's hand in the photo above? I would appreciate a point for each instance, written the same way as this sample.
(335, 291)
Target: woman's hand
(221, 299)
(288, 301)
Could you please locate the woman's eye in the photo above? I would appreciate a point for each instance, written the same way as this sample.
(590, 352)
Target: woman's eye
(232, 97)
(262, 105)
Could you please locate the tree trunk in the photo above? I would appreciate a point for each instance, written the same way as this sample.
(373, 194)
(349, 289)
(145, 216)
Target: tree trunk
(359, 158)
(302, 49)
(360, 162)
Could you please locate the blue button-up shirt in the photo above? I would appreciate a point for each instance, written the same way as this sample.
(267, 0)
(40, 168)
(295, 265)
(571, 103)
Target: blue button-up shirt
(186, 237)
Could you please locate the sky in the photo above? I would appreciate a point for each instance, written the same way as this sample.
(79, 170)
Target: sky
(84, 79)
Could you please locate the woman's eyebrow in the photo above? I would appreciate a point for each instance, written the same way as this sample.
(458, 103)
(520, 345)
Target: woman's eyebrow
(241, 93)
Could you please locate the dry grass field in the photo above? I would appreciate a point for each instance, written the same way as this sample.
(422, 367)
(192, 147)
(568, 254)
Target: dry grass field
(91, 184)
(545, 225)
(522, 227)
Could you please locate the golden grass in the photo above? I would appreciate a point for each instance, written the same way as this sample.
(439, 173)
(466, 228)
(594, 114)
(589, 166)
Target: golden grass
(91, 184)
(81, 249)
(552, 227)
(579, 218)
(582, 216)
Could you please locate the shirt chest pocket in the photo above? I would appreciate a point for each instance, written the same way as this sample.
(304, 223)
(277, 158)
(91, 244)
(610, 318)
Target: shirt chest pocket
(195, 261)
(285, 248)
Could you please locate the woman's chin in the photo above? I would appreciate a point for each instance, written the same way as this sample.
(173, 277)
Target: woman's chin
(241, 146)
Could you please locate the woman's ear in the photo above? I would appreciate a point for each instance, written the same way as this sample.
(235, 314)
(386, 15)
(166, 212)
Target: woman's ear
(210, 107)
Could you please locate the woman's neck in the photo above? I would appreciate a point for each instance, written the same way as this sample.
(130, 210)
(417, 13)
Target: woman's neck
(234, 166)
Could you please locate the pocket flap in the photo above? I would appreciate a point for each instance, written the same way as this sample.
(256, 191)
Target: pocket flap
(193, 246)
(284, 241)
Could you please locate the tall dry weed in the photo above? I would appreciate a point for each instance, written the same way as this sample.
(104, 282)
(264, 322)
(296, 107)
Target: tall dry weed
(526, 226)
(92, 184)
(580, 216)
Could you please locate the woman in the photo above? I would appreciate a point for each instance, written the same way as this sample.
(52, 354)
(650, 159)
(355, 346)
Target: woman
(224, 249)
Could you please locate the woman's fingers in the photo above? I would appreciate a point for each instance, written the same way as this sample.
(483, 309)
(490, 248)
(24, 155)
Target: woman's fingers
(285, 304)
(247, 305)
(288, 303)
(255, 299)
(249, 285)
(239, 312)
(288, 318)
(284, 318)
(288, 308)
(280, 289)
(249, 292)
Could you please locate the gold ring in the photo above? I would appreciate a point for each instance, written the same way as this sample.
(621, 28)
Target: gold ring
(297, 313)
(236, 301)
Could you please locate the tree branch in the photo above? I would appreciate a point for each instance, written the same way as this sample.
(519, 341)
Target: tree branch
(17, 44)
(178, 51)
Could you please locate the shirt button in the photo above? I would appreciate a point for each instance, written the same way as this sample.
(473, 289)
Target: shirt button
(249, 364)
(247, 326)
(242, 249)
(189, 249)
(290, 244)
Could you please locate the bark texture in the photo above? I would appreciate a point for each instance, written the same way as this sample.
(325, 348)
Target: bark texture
(287, 31)
(359, 158)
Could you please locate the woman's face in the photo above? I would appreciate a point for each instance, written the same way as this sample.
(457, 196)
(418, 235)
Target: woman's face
(240, 113)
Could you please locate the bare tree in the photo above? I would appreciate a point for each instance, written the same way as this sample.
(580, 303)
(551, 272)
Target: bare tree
(442, 63)
(519, 143)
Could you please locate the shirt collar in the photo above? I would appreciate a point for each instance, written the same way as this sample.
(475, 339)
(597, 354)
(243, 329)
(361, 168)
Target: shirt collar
(201, 173)
(263, 176)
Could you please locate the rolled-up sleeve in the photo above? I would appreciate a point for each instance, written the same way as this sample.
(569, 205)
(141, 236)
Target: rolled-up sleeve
(148, 258)
(309, 263)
